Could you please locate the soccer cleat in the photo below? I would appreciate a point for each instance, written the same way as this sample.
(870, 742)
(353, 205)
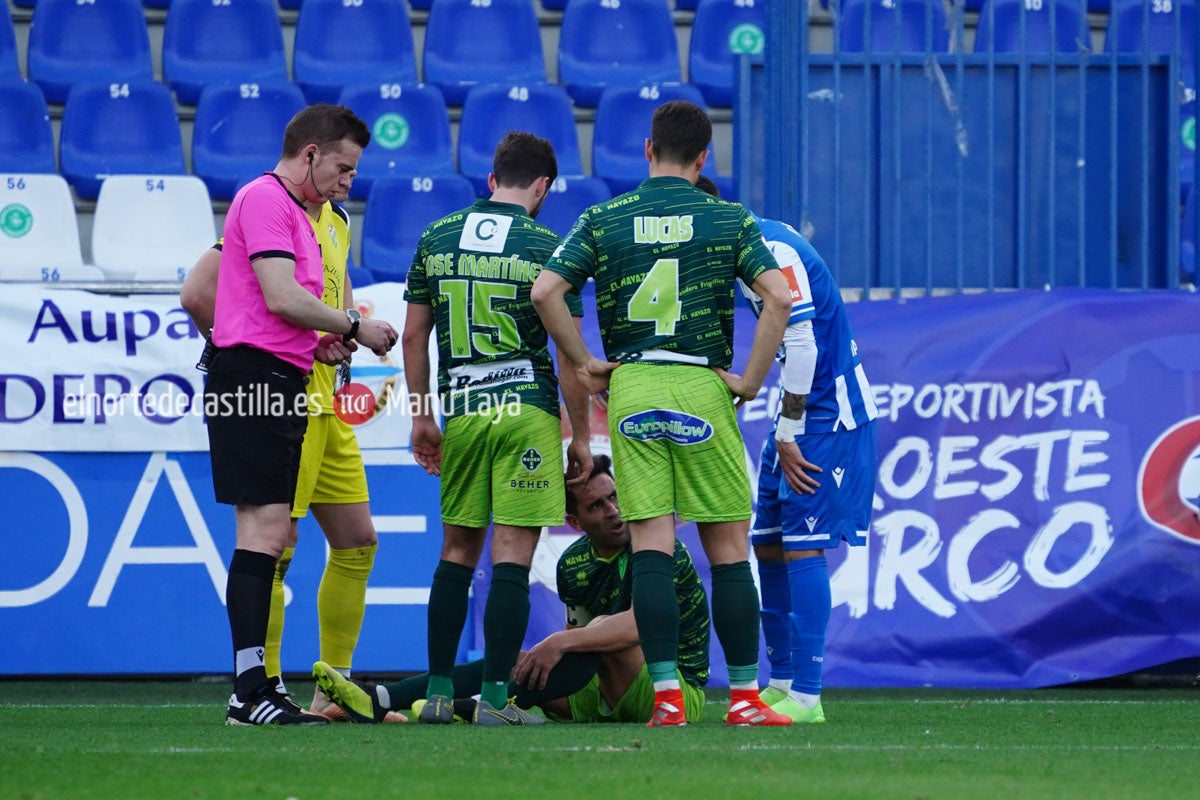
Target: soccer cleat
(510, 714)
(668, 710)
(283, 696)
(358, 699)
(747, 708)
(270, 708)
(771, 695)
(798, 713)
(436, 710)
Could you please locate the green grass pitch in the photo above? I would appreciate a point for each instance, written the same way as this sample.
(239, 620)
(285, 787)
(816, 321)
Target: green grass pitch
(161, 740)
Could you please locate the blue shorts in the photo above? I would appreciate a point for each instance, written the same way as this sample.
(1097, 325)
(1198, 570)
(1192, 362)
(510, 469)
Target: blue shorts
(840, 509)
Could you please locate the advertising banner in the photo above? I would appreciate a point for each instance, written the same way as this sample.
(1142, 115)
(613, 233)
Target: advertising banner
(1035, 516)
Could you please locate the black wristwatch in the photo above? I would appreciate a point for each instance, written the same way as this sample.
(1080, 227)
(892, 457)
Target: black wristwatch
(355, 318)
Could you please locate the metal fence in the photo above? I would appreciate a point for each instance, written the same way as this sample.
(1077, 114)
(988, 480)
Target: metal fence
(1057, 151)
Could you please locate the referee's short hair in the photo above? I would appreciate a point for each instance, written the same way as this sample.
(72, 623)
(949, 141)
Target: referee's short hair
(325, 126)
(679, 132)
(522, 158)
(601, 465)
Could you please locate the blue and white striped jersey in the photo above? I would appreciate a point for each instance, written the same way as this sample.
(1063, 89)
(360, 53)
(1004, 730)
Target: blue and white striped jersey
(841, 397)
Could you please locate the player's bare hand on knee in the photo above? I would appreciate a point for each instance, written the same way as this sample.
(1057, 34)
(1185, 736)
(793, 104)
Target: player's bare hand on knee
(332, 350)
(427, 444)
(377, 335)
(534, 665)
(595, 374)
(579, 463)
(737, 386)
(797, 468)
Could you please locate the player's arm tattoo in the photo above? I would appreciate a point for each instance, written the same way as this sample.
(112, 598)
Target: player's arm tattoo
(793, 405)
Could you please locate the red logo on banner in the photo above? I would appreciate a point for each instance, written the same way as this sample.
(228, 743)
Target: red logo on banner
(1161, 481)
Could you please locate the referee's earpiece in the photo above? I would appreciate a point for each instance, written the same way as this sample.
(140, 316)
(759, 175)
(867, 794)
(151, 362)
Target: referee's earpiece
(310, 156)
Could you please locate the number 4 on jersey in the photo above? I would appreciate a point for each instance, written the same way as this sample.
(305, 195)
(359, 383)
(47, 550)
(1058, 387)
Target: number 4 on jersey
(657, 299)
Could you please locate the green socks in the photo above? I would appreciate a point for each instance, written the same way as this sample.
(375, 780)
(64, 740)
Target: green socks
(505, 618)
(447, 616)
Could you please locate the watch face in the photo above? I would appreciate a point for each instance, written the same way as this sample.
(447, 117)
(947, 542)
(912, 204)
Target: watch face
(354, 315)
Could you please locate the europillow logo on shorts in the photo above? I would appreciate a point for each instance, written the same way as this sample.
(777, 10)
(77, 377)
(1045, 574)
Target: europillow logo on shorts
(663, 423)
(16, 220)
(531, 459)
(390, 131)
(485, 233)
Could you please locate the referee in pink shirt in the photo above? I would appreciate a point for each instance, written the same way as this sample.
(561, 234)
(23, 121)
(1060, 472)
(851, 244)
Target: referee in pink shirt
(265, 328)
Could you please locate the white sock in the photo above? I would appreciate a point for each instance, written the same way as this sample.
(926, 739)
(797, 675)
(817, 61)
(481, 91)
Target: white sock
(384, 696)
(741, 687)
(805, 700)
(662, 686)
(782, 684)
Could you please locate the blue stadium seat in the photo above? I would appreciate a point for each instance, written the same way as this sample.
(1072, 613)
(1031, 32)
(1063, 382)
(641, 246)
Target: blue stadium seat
(118, 129)
(410, 132)
(1132, 21)
(906, 26)
(687, 5)
(71, 41)
(616, 44)
(622, 127)
(491, 111)
(156, 4)
(238, 41)
(291, 5)
(380, 46)
(26, 139)
(721, 30)
(238, 130)
(420, 5)
(9, 65)
(1070, 27)
(398, 211)
(24, 3)
(506, 30)
(568, 198)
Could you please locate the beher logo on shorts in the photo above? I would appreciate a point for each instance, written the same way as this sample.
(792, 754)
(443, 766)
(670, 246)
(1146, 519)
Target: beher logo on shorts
(531, 459)
(663, 423)
(16, 220)
(485, 233)
(1169, 481)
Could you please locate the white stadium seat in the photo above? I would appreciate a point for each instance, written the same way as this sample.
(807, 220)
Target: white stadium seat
(39, 237)
(151, 227)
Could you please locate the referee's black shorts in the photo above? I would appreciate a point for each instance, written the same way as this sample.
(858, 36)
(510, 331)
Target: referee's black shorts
(256, 422)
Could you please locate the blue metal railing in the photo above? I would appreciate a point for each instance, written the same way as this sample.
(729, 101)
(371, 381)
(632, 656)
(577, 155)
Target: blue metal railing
(921, 168)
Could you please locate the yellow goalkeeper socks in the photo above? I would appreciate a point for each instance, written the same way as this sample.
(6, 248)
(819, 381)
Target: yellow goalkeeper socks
(275, 621)
(341, 602)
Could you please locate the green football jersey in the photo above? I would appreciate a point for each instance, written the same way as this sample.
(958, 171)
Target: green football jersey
(591, 587)
(476, 267)
(665, 257)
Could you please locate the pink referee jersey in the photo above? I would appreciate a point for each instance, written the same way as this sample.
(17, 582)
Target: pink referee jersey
(265, 221)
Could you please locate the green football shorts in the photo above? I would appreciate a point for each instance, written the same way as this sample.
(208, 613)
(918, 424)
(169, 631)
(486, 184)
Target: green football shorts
(636, 706)
(505, 465)
(676, 445)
